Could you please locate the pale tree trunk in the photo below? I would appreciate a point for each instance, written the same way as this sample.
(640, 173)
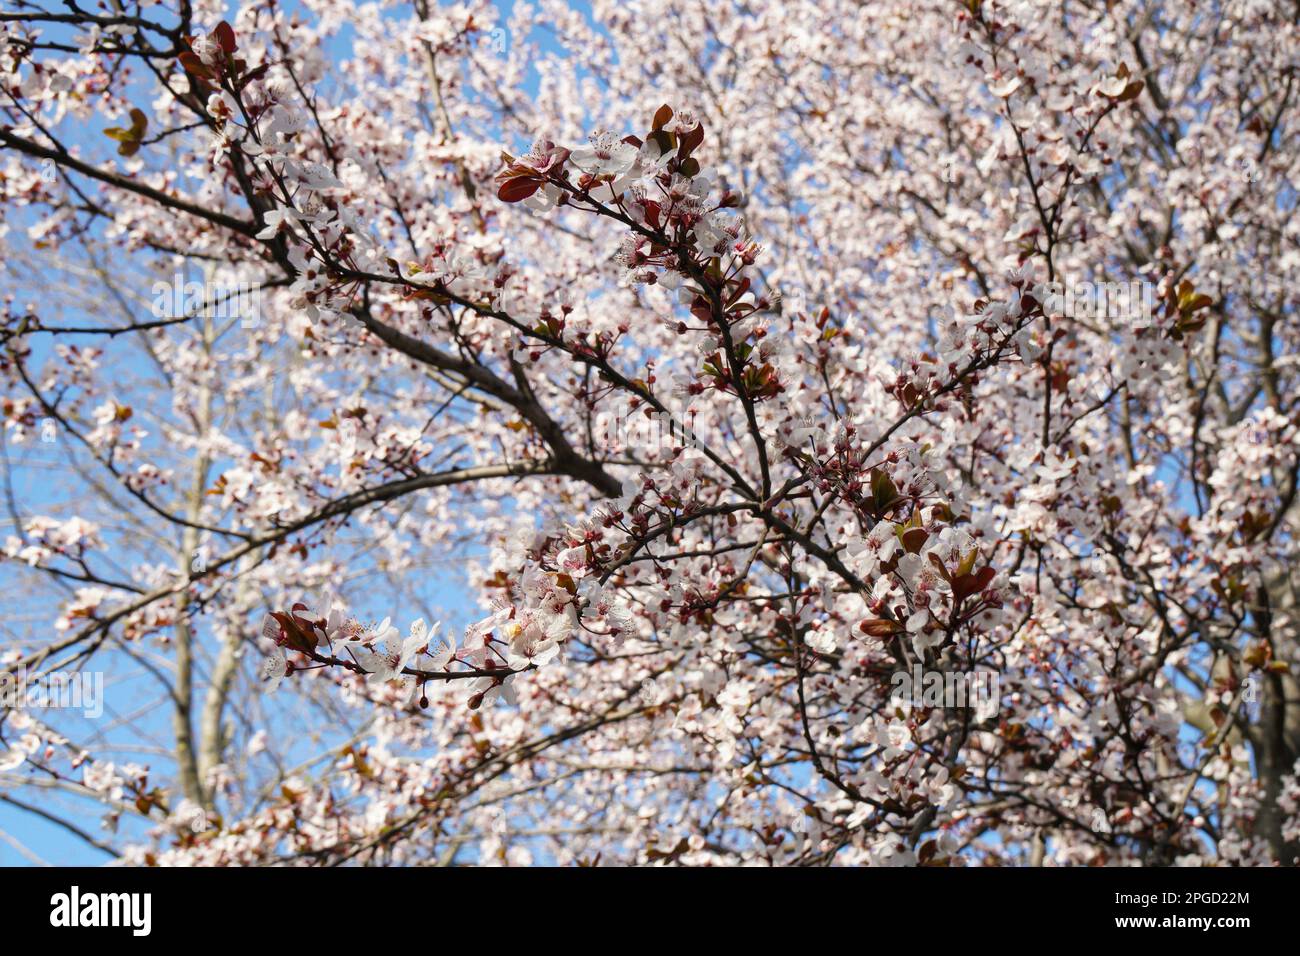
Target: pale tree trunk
(212, 733)
(183, 692)
(213, 740)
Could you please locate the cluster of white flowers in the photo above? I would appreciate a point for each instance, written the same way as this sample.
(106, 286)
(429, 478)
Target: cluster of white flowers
(379, 650)
(43, 537)
(510, 640)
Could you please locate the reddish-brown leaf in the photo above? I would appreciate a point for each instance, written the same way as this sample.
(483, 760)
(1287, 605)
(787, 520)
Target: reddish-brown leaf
(690, 140)
(194, 66)
(225, 36)
(518, 188)
(298, 636)
(880, 628)
(914, 540)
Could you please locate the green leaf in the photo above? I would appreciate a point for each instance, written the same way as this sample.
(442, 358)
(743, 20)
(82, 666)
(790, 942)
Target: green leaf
(882, 489)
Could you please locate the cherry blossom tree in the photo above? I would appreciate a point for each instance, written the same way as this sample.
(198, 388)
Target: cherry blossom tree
(669, 382)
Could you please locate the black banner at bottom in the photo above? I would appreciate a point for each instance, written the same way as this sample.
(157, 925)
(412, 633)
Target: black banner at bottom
(334, 906)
